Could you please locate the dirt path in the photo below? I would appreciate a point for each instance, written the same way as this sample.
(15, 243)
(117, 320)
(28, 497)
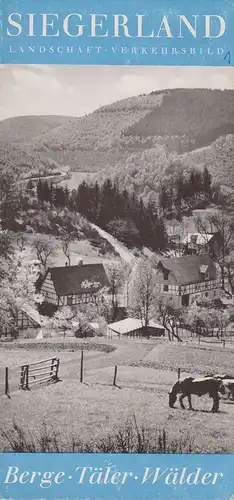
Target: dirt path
(126, 353)
(121, 249)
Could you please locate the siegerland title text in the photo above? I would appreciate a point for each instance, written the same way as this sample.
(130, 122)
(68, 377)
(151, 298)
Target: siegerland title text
(102, 25)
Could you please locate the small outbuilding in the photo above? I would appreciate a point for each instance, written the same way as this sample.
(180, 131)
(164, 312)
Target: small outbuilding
(90, 330)
(133, 328)
(28, 322)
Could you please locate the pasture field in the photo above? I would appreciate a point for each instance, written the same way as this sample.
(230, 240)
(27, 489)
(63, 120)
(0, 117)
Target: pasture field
(80, 249)
(146, 371)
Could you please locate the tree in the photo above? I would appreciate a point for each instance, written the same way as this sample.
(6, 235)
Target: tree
(81, 325)
(45, 249)
(169, 316)
(199, 317)
(6, 245)
(222, 223)
(9, 201)
(21, 241)
(206, 319)
(67, 320)
(116, 273)
(142, 292)
(164, 199)
(206, 182)
(62, 320)
(17, 289)
(124, 230)
(7, 188)
(229, 268)
(67, 238)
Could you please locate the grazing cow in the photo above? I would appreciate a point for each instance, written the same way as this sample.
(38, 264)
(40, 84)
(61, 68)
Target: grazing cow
(227, 388)
(189, 385)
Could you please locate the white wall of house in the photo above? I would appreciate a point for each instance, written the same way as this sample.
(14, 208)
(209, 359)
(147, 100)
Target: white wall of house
(48, 290)
(206, 289)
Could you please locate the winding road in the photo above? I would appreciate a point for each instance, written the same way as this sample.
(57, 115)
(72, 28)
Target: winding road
(121, 249)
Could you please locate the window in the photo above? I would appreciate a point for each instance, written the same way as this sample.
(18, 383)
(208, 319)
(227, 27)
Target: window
(165, 288)
(185, 300)
(165, 275)
(69, 300)
(62, 301)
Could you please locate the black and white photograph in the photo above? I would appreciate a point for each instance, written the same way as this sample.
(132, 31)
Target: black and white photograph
(116, 259)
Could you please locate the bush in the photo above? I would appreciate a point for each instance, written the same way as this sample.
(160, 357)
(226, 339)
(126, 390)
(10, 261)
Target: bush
(128, 438)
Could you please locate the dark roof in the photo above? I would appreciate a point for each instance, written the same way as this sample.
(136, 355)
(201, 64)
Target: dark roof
(188, 268)
(74, 280)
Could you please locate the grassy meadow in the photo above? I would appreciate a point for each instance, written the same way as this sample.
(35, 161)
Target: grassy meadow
(94, 409)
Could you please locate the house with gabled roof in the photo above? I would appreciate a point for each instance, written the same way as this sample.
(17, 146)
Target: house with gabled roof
(188, 277)
(202, 243)
(74, 285)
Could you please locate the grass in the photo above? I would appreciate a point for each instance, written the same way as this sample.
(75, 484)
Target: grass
(89, 413)
(191, 357)
(57, 345)
(92, 249)
(128, 438)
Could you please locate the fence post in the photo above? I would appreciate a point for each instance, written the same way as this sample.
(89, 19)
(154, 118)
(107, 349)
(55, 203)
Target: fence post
(115, 375)
(52, 367)
(26, 377)
(81, 366)
(178, 373)
(6, 381)
(57, 369)
(22, 377)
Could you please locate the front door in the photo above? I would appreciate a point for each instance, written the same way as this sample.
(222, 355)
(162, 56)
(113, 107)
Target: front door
(185, 300)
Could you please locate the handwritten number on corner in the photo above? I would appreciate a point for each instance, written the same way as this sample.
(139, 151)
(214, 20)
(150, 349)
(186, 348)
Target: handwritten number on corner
(228, 57)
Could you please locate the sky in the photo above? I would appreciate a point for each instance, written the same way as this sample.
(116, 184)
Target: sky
(77, 90)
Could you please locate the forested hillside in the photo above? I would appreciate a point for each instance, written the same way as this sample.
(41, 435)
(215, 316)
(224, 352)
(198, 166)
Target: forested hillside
(22, 162)
(145, 171)
(193, 118)
(17, 153)
(140, 141)
(26, 128)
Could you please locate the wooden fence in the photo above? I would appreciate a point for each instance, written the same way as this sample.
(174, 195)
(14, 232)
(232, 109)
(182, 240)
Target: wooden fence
(40, 372)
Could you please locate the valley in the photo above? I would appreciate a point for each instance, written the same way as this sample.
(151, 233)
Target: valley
(117, 257)
(138, 142)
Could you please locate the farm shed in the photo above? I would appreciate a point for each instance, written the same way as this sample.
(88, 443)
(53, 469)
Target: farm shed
(132, 327)
(28, 322)
(91, 330)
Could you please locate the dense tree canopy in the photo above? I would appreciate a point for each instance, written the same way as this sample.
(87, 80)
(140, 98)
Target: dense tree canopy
(123, 214)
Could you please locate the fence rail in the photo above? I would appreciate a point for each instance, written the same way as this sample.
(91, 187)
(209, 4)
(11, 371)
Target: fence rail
(46, 372)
